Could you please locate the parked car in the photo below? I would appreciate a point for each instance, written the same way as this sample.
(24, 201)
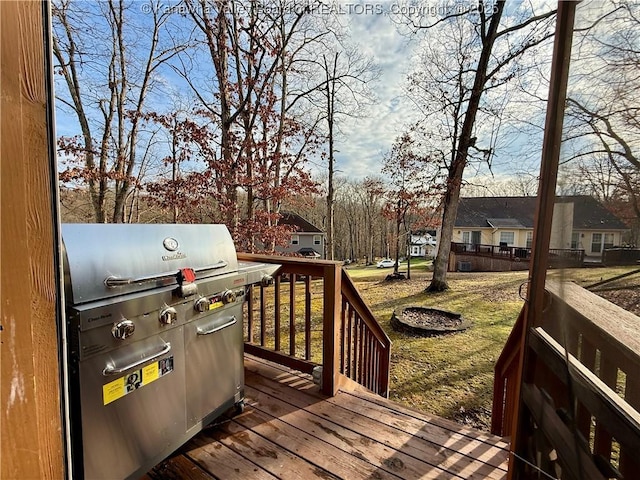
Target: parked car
(386, 263)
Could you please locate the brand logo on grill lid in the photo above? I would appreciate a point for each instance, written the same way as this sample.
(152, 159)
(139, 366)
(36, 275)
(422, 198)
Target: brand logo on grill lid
(170, 244)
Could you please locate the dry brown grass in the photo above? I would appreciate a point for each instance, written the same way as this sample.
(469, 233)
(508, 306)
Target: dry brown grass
(449, 375)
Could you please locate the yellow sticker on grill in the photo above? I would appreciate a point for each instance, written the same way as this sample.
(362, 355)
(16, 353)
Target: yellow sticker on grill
(150, 373)
(215, 305)
(113, 390)
(122, 386)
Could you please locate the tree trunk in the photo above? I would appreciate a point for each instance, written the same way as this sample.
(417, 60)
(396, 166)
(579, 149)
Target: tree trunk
(408, 254)
(330, 92)
(397, 247)
(441, 263)
(456, 170)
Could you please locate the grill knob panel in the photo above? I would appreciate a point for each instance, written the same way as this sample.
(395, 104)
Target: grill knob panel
(123, 329)
(201, 305)
(228, 296)
(168, 315)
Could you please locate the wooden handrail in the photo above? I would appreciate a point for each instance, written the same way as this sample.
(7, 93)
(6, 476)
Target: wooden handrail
(585, 357)
(377, 355)
(623, 422)
(352, 343)
(606, 340)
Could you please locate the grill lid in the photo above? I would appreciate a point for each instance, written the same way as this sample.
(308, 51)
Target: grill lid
(107, 260)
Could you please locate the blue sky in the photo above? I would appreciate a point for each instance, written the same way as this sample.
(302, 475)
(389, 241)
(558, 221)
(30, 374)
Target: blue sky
(365, 140)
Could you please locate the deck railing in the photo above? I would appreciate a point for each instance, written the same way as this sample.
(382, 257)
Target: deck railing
(557, 256)
(583, 392)
(314, 320)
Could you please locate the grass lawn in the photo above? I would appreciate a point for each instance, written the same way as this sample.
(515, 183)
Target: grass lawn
(452, 375)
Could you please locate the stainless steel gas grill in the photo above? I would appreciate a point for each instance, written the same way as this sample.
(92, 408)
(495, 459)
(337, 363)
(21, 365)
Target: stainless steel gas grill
(154, 322)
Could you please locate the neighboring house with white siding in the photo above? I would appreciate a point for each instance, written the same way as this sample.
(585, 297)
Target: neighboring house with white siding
(306, 240)
(423, 245)
(579, 222)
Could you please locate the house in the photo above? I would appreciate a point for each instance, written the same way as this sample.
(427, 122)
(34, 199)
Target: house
(423, 245)
(579, 222)
(307, 239)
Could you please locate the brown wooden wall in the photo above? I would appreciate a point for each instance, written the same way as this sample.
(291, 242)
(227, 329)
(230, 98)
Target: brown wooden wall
(31, 426)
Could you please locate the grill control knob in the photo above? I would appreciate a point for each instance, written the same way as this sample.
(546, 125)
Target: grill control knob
(228, 296)
(168, 315)
(201, 305)
(123, 329)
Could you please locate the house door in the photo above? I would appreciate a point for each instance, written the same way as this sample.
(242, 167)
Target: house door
(596, 243)
(475, 238)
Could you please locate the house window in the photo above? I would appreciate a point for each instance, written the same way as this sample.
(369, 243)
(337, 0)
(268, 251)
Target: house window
(507, 237)
(608, 241)
(317, 240)
(466, 237)
(575, 240)
(529, 240)
(596, 242)
(295, 239)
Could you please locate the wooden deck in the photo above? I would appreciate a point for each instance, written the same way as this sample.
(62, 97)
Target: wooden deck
(289, 430)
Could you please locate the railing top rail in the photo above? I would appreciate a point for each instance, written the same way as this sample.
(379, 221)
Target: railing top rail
(618, 326)
(257, 257)
(351, 292)
(511, 246)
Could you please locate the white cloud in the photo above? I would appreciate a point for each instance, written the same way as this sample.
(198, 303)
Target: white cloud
(366, 139)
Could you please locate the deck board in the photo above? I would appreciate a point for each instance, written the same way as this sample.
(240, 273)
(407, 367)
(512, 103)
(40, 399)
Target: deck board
(289, 430)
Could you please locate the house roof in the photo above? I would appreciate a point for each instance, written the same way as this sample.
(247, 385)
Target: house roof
(590, 214)
(295, 220)
(518, 212)
(477, 211)
(505, 223)
(423, 240)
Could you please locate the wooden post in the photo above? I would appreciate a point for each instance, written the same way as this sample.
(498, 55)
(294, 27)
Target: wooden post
(331, 328)
(544, 210)
(30, 393)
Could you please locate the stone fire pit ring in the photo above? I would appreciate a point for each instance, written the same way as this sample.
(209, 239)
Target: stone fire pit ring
(427, 321)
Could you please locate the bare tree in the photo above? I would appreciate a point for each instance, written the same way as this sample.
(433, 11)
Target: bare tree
(522, 185)
(602, 133)
(410, 185)
(108, 70)
(347, 77)
(479, 51)
(370, 195)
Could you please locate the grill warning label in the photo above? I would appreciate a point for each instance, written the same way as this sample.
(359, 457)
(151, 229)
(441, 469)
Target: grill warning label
(122, 386)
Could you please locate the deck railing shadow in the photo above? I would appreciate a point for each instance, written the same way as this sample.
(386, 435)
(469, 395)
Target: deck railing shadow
(442, 445)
